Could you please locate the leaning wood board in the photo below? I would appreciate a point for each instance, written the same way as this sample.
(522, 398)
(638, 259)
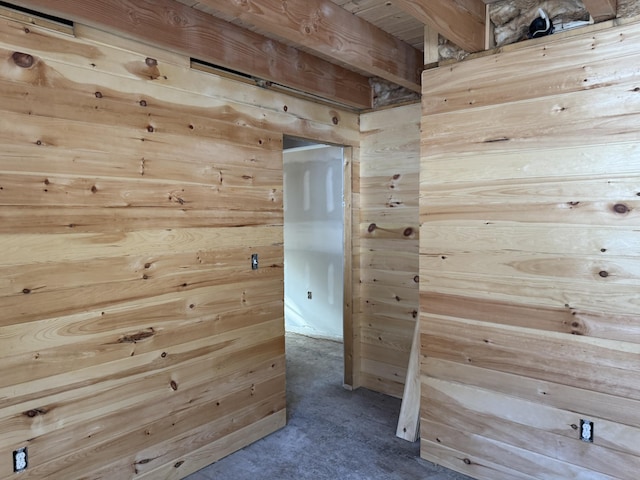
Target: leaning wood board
(529, 260)
(136, 341)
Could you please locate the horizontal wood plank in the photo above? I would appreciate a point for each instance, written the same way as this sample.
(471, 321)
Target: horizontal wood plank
(575, 321)
(332, 32)
(112, 278)
(610, 363)
(520, 460)
(547, 69)
(528, 295)
(198, 35)
(214, 451)
(616, 409)
(612, 452)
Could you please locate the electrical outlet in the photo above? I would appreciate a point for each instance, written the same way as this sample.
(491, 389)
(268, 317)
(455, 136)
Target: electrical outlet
(586, 430)
(309, 295)
(20, 459)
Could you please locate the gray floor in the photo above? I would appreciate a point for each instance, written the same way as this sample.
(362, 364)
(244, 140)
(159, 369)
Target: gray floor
(331, 433)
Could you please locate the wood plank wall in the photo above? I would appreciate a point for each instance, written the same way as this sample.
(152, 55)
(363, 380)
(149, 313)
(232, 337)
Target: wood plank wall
(135, 340)
(530, 260)
(388, 236)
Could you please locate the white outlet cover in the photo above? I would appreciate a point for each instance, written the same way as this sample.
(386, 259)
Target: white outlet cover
(586, 430)
(20, 460)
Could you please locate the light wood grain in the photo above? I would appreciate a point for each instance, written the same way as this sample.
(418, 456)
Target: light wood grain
(601, 9)
(193, 33)
(380, 383)
(575, 321)
(409, 418)
(235, 382)
(351, 338)
(220, 448)
(475, 466)
(332, 32)
(618, 410)
(497, 453)
(62, 220)
(570, 69)
(611, 363)
(463, 22)
(135, 334)
(388, 244)
(578, 161)
(528, 259)
(613, 447)
(64, 62)
(147, 336)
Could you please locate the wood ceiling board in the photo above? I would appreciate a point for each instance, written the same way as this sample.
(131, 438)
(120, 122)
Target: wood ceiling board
(331, 32)
(461, 21)
(390, 19)
(601, 10)
(173, 25)
(387, 16)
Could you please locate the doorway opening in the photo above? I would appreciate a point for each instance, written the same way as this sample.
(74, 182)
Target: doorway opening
(317, 245)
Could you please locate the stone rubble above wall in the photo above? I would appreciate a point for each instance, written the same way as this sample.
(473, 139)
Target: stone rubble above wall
(628, 8)
(386, 93)
(449, 50)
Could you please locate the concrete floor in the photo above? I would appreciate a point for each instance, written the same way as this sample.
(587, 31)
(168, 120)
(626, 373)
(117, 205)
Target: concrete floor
(331, 433)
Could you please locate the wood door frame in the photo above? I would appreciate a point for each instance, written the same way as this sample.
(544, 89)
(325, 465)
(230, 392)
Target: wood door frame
(350, 336)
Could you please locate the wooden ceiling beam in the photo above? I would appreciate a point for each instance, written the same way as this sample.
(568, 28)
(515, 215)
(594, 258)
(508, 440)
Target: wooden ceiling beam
(461, 21)
(179, 28)
(601, 10)
(330, 31)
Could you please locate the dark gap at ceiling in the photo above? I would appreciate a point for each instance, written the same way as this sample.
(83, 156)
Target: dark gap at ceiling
(35, 13)
(222, 69)
(262, 83)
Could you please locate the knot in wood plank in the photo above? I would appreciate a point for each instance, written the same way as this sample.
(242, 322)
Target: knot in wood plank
(137, 337)
(620, 208)
(23, 60)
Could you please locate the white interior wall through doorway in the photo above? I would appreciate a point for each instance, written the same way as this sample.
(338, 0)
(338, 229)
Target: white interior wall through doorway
(314, 240)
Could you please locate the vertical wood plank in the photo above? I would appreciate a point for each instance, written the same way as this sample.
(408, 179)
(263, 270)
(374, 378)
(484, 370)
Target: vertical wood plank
(431, 52)
(351, 341)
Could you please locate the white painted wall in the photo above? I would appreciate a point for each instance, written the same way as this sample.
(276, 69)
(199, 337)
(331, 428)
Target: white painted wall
(313, 240)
